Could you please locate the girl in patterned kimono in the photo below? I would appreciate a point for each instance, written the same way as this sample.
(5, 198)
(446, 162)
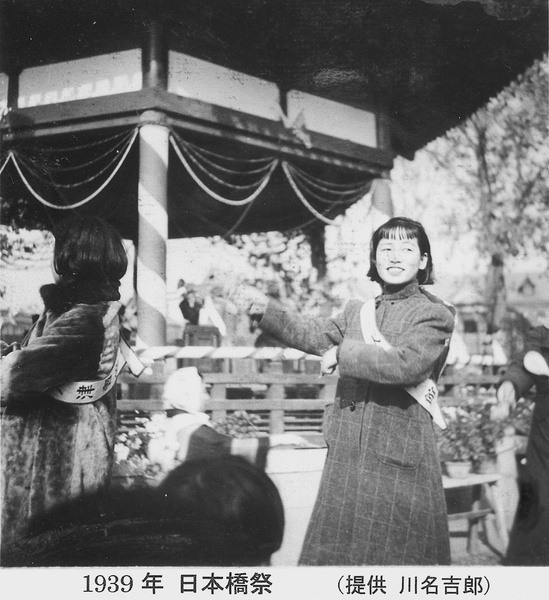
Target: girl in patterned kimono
(54, 451)
(381, 500)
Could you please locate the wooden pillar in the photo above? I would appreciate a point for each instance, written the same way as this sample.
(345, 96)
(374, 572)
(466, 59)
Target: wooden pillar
(155, 57)
(382, 202)
(276, 392)
(153, 230)
(507, 468)
(316, 237)
(13, 90)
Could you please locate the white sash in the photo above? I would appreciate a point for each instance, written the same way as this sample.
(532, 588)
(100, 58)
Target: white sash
(425, 393)
(85, 392)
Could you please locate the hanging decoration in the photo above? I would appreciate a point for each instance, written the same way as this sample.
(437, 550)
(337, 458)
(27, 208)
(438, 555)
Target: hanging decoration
(44, 170)
(208, 163)
(340, 193)
(186, 150)
(233, 181)
(292, 173)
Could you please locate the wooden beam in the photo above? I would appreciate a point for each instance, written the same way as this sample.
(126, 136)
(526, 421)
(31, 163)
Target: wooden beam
(192, 115)
(56, 130)
(243, 379)
(155, 57)
(13, 90)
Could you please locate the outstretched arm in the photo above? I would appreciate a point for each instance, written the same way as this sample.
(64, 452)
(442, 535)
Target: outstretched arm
(312, 335)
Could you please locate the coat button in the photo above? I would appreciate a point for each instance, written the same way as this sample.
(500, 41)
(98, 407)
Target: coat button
(352, 406)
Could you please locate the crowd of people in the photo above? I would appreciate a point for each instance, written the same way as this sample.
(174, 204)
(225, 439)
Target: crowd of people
(381, 499)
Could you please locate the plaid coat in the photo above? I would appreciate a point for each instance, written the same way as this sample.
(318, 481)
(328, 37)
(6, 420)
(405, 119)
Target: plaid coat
(381, 500)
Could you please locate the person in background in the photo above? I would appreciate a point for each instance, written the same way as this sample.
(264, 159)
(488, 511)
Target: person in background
(198, 307)
(209, 316)
(128, 320)
(186, 432)
(190, 305)
(381, 499)
(58, 444)
(529, 539)
(181, 288)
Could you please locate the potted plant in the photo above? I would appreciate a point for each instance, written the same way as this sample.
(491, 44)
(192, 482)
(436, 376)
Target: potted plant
(239, 424)
(490, 432)
(132, 468)
(472, 437)
(456, 445)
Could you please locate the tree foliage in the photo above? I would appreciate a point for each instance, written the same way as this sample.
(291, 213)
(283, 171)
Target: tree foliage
(283, 267)
(24, 244)
(499, 162)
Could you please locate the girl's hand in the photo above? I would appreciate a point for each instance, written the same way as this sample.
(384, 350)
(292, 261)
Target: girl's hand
(248, 299)
(506, 397)
(535, 363)
(329, 361)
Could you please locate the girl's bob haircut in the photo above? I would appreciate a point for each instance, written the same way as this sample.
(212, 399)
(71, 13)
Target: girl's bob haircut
(86, 247)
(401, 228)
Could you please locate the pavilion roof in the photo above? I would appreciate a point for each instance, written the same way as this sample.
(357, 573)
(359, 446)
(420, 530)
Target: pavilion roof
(426, 65)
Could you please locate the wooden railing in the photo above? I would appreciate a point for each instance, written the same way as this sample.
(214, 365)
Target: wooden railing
(281, 401)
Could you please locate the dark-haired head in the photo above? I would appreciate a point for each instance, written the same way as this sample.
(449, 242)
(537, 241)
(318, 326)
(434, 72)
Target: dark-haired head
(234, 506)
(402, 228)
(207, 512)
(88, 248)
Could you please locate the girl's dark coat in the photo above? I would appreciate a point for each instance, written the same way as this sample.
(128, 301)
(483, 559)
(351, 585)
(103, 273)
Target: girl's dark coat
(381, 500)
(53, 451)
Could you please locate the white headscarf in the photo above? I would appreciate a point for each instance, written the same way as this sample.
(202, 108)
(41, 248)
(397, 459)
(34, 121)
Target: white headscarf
(184, 390)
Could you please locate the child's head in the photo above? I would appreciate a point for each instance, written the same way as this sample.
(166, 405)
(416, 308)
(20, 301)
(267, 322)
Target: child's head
(88, 248)
(185, 390)
(401, 230)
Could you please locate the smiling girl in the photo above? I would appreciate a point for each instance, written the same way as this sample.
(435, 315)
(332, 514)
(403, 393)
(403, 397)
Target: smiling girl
(381, 500)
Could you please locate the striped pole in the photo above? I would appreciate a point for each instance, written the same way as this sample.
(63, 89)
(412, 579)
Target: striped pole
(153, 230)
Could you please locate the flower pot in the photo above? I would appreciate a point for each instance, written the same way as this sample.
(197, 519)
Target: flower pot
(458, 469)
(487, 465)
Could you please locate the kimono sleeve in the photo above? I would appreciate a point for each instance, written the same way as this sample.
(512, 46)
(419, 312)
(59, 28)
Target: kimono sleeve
(68, 350)
(205, 442)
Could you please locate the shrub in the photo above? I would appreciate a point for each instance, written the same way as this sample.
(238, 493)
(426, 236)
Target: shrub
(473, 434)
(239, 424)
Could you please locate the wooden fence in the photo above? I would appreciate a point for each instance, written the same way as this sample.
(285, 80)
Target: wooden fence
(283, 397)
